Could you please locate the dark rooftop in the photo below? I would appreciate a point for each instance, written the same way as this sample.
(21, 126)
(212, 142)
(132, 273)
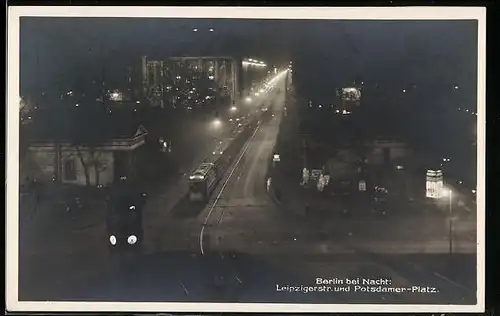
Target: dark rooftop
(115, 127)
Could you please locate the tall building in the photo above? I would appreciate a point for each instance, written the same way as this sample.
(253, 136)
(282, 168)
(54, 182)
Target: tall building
(190, 80)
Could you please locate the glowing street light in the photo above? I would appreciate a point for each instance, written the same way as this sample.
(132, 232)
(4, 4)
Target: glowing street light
(216, 123)
(233, 108)
(248, 99)
(211, 30)
(195, 30)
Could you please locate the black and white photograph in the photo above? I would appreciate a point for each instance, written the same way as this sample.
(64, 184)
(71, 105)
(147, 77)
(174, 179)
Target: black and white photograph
(245, 159)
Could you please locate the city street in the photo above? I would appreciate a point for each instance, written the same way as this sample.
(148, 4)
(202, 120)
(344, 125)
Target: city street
(251, 245)
(244, 232)
(291, 160)
(243, 219)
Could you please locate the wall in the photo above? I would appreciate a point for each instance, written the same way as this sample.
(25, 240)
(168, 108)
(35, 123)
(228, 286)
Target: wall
(397, 150)
(40, 164)
(344, 163)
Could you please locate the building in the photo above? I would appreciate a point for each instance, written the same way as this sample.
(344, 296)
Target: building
(348, 99)
(49, 161)
(253, 74)
(171, 79)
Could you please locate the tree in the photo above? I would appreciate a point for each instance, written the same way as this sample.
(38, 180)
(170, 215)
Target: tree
(88, 129)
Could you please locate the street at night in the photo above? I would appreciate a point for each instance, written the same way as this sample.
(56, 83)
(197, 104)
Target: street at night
(211, 175)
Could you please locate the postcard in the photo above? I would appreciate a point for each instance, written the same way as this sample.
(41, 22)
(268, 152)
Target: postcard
(246, 159)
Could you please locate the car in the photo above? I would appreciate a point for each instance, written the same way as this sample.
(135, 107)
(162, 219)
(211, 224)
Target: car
(124, 225)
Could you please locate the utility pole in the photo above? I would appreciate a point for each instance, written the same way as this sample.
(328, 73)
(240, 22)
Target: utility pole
(450, 225)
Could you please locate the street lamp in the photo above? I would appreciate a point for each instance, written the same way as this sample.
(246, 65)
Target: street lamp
(233, 108)
(248, 99)
(216, 123)
(449, 193)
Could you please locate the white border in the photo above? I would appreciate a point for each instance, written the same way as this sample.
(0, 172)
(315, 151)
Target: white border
(374, 13)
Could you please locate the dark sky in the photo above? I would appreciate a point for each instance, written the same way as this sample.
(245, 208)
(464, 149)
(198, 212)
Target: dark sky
(326, 53)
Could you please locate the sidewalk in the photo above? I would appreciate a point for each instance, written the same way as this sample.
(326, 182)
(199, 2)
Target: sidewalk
(44, 208)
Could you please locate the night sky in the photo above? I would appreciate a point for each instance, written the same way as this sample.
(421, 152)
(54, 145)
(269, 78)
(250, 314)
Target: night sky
(326, 54)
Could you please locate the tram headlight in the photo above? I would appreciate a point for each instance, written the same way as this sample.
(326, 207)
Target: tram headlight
(112, 240)
(132, 239)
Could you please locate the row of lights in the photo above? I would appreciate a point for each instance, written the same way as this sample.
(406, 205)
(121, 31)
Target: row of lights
(342, 112)
(254, 62)
(414, 86)
(460, 182)
(196, 30)
(467, 111)
(268, 86)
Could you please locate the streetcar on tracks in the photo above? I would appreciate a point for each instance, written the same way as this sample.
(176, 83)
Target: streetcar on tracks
(203, 181)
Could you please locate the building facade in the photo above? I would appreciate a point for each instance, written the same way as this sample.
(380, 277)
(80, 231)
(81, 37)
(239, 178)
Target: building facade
(378, 153)
(48, 161)
(163, 80)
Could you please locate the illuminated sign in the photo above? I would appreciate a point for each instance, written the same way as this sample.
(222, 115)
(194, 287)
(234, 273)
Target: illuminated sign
(349, 94)
(362, 185)
(434, 184)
